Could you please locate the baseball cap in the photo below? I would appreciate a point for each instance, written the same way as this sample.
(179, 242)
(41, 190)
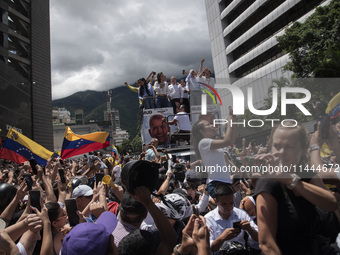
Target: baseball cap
(174, 206)
(90, 238)
(192, 176)
(82, 191)
(131, 206)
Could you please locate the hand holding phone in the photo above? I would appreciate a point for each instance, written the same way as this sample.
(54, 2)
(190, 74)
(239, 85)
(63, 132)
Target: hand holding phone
(35, 199)
(71, 209)
(33, 164)
(62, 175)
(28, 180)
(99, 177)
(236, 224)
(236, 178)
(195, 211)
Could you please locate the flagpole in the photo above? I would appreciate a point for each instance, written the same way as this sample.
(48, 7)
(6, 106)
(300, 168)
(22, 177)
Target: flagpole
(109, 114)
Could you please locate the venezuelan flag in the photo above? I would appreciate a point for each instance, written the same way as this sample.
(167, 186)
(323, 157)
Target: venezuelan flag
(333, 109)
(74, 145)
(114, 150)
(19, 148)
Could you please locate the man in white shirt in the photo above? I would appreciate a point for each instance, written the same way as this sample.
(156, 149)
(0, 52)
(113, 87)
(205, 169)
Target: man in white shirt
(194, 86)
(174, 93)
(185, 95)
(207, 79)
(183, 122)
(227, 223)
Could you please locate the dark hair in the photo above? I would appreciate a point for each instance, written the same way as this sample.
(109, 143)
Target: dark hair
(172, 185)
(145, 87)
(189, 185)
(53, 210)
(139, 242)
(197, 136)
(132, 219)
(7, 194)
(159, 76)
(161, 179)
(223, 189)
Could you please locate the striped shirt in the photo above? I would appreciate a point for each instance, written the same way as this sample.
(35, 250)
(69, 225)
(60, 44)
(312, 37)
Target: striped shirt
(122, 230)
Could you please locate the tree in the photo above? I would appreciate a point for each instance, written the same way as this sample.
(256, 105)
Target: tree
(125, 146)
(313, 46)
(137, 143)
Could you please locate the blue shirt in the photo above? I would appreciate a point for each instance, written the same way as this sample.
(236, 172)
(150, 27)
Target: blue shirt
(145, 94)
(217, 225)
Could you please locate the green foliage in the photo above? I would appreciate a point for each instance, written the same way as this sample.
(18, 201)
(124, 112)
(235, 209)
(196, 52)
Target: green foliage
(126, 145)
(137, 143)
(330, 64)
(313, 46)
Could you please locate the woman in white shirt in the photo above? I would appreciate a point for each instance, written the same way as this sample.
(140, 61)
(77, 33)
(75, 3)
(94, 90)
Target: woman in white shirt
(162, 91)
(210, 150)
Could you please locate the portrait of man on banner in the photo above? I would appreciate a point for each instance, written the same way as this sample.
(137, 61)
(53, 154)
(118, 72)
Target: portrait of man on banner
(154, 127)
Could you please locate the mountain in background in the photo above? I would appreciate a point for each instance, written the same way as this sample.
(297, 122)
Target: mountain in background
(94, 105)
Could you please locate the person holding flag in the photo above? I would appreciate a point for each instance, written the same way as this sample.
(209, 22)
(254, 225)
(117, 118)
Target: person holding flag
(114, 152)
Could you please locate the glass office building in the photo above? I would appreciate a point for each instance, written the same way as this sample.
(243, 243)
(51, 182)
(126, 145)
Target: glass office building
(25, 69)
(243, 40)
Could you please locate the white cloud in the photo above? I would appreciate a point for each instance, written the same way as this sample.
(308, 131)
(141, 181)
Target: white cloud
(100, 44)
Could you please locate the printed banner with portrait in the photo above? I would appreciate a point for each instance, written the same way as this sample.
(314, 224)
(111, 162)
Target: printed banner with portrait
(154, 127)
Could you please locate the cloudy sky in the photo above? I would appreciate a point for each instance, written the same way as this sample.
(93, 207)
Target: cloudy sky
(100, 44)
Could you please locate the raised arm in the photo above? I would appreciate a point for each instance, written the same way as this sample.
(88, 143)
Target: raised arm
(47, 240)
(132, 88)
(8, 213)
(50, 197)
(147, 78)
(229, 137)
(7, 245)
(165, 185)
(200, 69)
(142, 195)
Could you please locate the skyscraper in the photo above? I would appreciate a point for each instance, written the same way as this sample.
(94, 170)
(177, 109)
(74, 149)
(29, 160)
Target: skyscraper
(25, 69)
(243, 40)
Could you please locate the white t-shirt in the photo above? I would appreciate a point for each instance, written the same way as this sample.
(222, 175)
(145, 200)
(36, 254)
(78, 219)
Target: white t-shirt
(183, 121)
(214, 162)
(117, 170)
(159, 90)
(210, 81)
(174, 91)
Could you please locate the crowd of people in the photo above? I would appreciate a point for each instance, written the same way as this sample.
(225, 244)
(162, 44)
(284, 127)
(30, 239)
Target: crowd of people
(161, 204)
(156, 92)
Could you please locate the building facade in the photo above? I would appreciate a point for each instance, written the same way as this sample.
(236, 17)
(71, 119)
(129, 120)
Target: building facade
(25, 69)
(243, 41)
